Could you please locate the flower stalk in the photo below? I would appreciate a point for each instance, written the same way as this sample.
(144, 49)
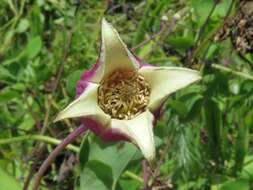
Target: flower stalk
(69, 139)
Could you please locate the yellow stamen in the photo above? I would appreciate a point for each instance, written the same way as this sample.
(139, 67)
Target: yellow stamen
(123, 94)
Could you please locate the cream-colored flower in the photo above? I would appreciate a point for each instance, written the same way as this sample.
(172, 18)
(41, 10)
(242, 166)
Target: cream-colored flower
(118, 99)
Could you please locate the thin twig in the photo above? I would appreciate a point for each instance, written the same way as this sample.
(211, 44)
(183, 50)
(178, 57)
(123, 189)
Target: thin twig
(34, 116)
(162, 29)
(38, 138)
(69, 139)
(236, 73)
(133, 176)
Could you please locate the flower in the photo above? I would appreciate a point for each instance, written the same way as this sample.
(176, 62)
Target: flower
(120, 98)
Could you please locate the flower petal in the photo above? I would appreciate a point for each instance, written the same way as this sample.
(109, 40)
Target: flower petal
(114, 54)
(140, 131)
(166, 80)
(84, 105)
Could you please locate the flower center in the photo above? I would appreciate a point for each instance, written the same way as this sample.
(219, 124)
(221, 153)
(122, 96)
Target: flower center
(123, 94)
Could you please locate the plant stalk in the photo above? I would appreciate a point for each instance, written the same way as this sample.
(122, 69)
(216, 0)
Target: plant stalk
(43, 138)
(236, 73)
(69, 139)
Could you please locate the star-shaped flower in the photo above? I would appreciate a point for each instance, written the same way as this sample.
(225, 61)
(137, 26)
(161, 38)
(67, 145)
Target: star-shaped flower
(119, 98)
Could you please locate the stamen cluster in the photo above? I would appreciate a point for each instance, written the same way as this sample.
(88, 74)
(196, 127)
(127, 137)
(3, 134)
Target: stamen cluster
(123, 94)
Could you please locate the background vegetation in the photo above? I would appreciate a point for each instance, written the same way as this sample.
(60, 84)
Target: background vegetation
(204, 138)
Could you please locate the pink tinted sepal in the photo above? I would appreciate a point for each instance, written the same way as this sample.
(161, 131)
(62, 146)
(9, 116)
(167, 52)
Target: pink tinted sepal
(106, 134)
(84, 80)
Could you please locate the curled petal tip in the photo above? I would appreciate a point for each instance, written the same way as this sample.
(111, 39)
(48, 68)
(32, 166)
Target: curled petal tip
(114, 54)
(105, 23)
(58, 118)
(85, 105)
(108, 32)
(140, 132)
(165, 81)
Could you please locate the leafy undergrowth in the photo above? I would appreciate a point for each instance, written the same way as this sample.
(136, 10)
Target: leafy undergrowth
(205, 134)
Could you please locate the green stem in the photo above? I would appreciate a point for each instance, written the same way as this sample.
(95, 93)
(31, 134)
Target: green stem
(133, 176)
(228, 70)
(39, 138)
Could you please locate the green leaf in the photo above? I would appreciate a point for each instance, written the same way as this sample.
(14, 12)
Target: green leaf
(140, 32)
(238, 184)
(72, 80)
(180, 43)
(84, 151)
(241, 148)
(201, 10)
(249, 119)
(157, 12)
(33, 47)
(8, 94)
(178, 106)
(31, 50)
(5, 74)
(96, 175)
(27, 122)
(194, 108)
(36, 20)
(7, 182)
(213, 126)
(116, 156)
(145, 50)
(23, 25)
(247, 171)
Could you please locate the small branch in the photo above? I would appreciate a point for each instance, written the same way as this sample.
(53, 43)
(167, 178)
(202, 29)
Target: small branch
(46, 139)
(162, 29)
(69, 139)
(34, 116)
(133, 176)
(236, 73)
